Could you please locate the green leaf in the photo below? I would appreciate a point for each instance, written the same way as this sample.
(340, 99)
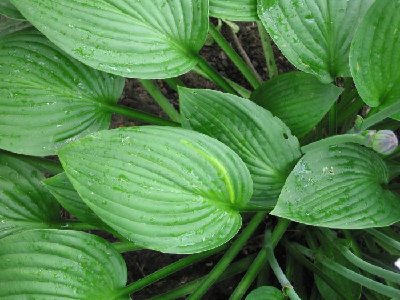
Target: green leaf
(375, 55)
(8, 26)
(24, 202)
(263, 141)
(68, 197)
(48, 99)
(265, 293)
(140, 39)
(9, 10)
(339, 187)
(234, 10)
(55, 264)
(167, 189)
(298, 99)
(315, 35)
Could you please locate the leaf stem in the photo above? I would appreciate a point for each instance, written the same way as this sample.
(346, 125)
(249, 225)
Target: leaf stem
(168, 270)
(335, 140)
(268, 51)
(228, 257)
(137, 115)
(381, 115)
(214, 75)
(332, 120)
(174, 82)
(259, 262)
(76, 225)
(286, 285)
(385, 239)
(126, 246)
(162, 101)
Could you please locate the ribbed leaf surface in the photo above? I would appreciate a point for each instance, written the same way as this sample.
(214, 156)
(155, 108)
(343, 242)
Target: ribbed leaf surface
(47, 98)
(9, 10)
(298, 99)
(24, 202)
(58, 265)
(235, 10)
(166, 189)
(134, 38)
(339, 187)
(315, 35)
(263, 141)
(375, 54)
(68, 197)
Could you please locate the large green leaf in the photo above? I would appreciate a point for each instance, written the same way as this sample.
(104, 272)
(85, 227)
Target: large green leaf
(235, 10)
(47, 98)
(8, 26)
(24, 202)
(9, 10)
(375, 54)
(265, 293)
(315, 35)
(339, 187)
(58, 265)
(263, 141)
(166, 189)
(68, 197)
(298, 99)
(135, 38)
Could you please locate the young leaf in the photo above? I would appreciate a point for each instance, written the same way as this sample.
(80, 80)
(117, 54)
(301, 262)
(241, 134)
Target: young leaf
(167, 189)
(62, 189)
(375, 55)
(265, 293)
(339, 187)
(55, 264)
(24, 202)
(9, 10)
(8, 26)
(47, 98)
(315, 36)
(234, 10)
(298, 99)
(141, 39)
(263, 141)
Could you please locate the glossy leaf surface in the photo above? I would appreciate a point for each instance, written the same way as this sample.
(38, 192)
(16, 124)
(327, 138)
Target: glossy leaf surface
(68, 197)
(9, 10)
(135, 38)
(24, 202)
(298, 99)
(47, 98)
(375, 55)
(234, 10)
(339, 187)
(315, 35)
(167, 189)
(265, 293)
(55, 264)
(263, 141)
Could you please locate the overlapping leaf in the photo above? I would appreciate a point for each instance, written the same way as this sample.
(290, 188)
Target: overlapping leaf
(375, 55)
(24, 202)
(167, 189)
(47, 98)
(235, 10)
(135, 38)
(315, 35)
(55, 264)
(298, 99)
(9, 10)
(264, 293)
(339, 187)
(263, 141)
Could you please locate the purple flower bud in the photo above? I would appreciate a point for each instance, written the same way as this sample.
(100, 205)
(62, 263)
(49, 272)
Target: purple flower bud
(384, 142)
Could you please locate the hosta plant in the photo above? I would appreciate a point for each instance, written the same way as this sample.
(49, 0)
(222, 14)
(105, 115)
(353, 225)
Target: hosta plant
(302, 165)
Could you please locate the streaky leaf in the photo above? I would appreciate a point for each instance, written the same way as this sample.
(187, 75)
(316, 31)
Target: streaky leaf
(24, 202)
(55, 264)
(8, 26)
(234, 10)
(140, 39)
(48, 99)
(375, 55)
(315, 35)
(298, 99)
(263, 141)
(167, 189)
(265, 293)
(9, 10)
(339, 187)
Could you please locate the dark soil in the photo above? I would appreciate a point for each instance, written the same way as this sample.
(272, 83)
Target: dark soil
(142, 263)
